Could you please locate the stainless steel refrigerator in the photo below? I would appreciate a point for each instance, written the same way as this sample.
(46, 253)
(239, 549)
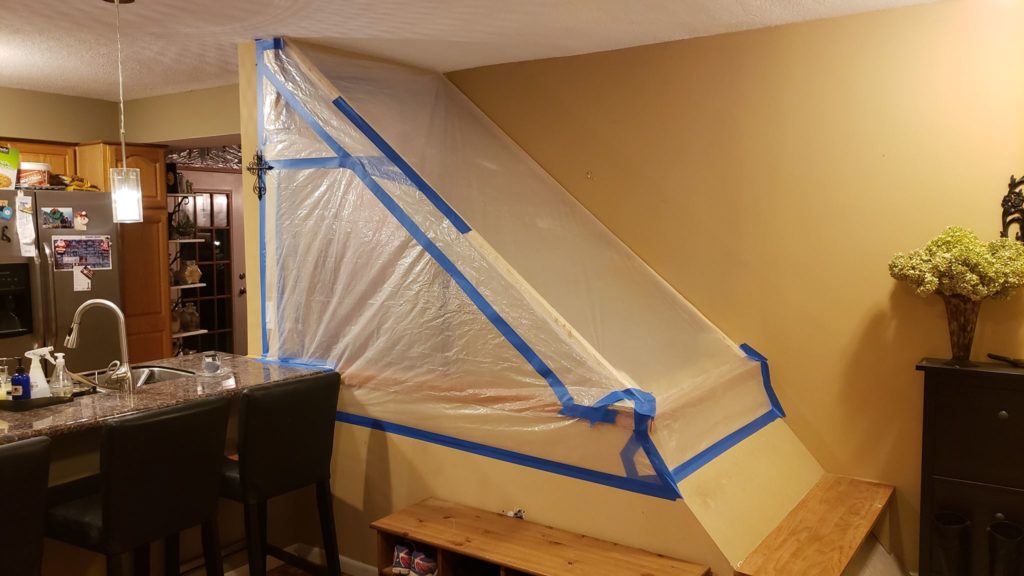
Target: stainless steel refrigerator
(73, 258)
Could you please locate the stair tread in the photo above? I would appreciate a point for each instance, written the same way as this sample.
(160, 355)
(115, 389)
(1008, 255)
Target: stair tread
(822, 533)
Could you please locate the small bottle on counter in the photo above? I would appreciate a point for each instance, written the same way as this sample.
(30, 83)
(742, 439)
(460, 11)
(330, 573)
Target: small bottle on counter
(5, 381)
(21, 384)
(60, 383)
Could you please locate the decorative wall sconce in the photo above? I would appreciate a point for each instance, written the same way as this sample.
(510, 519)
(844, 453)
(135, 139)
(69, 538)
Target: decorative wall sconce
(1013, 208)
(259, 167)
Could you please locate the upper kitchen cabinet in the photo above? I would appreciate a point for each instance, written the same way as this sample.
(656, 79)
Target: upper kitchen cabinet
(60, 157)
(95, 161)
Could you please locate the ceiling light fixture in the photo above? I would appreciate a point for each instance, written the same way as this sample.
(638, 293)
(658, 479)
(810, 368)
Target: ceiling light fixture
(125, 183)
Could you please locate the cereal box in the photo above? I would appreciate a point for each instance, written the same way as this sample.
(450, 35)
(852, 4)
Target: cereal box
(8, 167)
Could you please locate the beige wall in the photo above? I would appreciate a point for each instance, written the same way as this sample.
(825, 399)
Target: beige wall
(770, 175)
(190, 115)
(42, 116)
(183, 115)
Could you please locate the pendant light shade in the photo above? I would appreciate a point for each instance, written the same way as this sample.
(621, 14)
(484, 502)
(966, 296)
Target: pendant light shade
(126, 193)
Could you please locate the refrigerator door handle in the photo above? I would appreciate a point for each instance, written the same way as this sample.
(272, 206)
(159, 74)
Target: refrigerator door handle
(38, 310)
(51, 288)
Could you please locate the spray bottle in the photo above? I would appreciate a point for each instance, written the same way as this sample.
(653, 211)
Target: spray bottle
(40, 388)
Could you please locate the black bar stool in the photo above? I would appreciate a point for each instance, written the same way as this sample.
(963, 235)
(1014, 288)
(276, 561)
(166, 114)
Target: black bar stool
(159, 474)
(24, 471)
(285, 442)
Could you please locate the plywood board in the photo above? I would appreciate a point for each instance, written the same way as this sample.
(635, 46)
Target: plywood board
(525, 546)
(742, 495)
(821, 535)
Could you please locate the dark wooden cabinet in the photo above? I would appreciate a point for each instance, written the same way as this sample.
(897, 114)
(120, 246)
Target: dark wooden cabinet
(972, 455)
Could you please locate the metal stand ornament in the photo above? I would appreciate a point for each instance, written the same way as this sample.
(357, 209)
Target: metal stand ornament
(1013, 208)
(259, 167)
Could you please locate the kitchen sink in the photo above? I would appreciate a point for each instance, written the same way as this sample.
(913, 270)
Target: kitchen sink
(142, 375)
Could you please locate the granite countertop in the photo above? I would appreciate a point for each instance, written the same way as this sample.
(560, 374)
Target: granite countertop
(90, 411)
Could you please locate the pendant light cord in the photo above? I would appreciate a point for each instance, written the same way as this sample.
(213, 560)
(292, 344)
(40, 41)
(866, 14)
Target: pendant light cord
(120, 78)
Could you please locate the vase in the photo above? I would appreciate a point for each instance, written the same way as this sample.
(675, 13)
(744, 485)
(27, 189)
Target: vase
(962, 316)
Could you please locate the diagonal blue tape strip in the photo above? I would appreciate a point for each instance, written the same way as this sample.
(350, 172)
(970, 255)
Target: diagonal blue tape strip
(633, 485)
(718, 448)
(467, 287)
(402, 165)
(302, 111)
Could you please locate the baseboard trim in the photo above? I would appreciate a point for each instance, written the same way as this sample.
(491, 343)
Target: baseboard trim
(348, 566)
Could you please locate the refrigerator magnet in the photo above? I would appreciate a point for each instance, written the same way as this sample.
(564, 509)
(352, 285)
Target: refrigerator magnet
(82, 220)
(91, 251)
(6, 213)
(83, 280)
(56, 218)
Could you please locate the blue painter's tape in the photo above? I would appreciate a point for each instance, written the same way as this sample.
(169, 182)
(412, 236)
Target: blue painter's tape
(378, 166)
(630, 484)
(302, 111)
(270, 43)
(467, 287)
(718, 448)
(594, 414)
(308, 163)
(261, 72)
(404, 166)
(643, 402)
(642, 433)
(766, 378)
(298, 362)
(559, 388)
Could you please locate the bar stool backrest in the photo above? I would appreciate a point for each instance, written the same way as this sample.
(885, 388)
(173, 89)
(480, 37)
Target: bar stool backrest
(161, 471)
(286, 435)
(24, 471)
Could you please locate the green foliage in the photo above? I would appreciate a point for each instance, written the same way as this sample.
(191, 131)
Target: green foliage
(956, 263)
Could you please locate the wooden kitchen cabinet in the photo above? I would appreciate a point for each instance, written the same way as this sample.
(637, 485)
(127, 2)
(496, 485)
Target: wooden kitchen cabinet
(95, 160)
(60, 156)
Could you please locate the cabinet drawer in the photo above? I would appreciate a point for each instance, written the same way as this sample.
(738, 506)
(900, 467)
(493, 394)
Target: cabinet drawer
(977, 433)
(982, 505)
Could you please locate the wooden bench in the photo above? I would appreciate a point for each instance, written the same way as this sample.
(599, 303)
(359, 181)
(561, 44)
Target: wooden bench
(474, 542)
(822, 533)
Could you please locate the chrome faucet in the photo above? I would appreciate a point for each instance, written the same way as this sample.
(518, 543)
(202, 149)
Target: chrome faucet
(121, 377)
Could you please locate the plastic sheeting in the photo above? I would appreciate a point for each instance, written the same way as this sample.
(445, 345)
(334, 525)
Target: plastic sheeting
(466, 297)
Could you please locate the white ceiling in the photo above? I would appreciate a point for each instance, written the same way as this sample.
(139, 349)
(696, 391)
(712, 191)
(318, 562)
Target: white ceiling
(67, 46)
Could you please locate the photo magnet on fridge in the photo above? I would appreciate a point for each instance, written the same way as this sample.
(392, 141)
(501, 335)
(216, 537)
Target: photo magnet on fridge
(57, 218)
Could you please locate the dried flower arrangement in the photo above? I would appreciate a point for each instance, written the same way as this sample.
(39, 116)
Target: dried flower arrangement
(964, 271)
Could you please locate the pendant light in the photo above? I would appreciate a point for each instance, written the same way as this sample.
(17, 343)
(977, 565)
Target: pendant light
(125, 183)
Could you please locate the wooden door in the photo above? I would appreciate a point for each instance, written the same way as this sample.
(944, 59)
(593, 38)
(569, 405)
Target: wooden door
(145, 287)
